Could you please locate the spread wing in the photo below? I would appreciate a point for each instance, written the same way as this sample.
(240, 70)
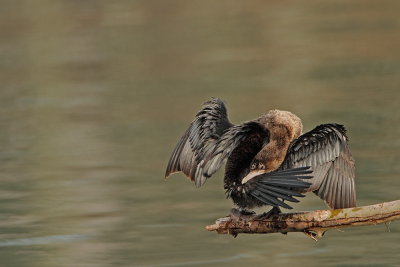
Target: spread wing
(325, 149)
(244, 141)
(200, 138)
(273, 188)
(210, 140)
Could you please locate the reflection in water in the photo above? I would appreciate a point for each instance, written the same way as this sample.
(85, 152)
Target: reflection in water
(94, 94)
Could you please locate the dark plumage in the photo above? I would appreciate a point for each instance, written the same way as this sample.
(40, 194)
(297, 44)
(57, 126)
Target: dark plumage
(267, 159)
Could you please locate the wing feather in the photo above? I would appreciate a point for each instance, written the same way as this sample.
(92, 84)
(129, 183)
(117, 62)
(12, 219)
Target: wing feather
(210, 140)
(201, 136)
(273, 188)
(246, 134)
(325, 148)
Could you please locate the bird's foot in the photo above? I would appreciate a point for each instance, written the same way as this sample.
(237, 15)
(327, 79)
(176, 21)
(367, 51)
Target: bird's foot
(237, 213)
(266, 215)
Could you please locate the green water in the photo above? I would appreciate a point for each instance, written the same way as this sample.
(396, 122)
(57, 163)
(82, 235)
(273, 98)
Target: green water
(95, 94)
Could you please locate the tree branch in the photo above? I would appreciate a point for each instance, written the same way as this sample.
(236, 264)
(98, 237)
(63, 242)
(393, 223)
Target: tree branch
(313, 223)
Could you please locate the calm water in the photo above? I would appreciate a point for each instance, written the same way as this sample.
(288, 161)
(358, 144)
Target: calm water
(95, 94)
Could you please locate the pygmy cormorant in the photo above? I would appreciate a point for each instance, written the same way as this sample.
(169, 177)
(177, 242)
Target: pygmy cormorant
(267, 158)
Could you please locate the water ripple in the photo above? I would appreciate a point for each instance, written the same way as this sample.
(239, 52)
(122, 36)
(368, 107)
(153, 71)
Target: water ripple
(45, 240)
(191, 263)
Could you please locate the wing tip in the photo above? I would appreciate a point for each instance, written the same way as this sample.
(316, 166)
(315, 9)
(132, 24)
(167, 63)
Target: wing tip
(170, 170)
(167, 174)
(270, 200)
(200, 180)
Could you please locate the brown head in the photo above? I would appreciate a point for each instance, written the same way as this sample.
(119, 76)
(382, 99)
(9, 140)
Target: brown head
(282, 123)
(283, 127)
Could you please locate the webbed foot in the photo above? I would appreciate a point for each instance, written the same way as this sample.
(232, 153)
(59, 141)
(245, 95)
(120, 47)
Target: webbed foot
(237, 213)
(266, 215)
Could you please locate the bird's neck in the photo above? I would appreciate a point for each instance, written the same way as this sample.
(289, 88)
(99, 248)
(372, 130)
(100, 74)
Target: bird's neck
(274, 153)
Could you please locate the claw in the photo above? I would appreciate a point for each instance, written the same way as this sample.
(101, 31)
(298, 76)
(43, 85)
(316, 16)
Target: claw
(269, 214)
(236, 214)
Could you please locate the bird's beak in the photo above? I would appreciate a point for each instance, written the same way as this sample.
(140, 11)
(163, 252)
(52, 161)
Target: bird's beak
(251, 175)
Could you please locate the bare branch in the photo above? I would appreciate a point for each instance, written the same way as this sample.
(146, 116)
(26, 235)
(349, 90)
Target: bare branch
(313, 223)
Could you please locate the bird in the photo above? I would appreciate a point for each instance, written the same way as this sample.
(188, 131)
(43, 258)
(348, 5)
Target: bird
(269, 160)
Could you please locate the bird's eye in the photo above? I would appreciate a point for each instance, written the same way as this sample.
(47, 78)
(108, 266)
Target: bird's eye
(253, 166)
(261, 166)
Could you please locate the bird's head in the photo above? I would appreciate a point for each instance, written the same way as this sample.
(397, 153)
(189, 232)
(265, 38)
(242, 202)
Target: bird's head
(283, 123)
(283, 127)
(257, 167)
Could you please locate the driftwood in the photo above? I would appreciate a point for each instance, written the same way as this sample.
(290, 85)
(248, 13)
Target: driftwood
(313, 223)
